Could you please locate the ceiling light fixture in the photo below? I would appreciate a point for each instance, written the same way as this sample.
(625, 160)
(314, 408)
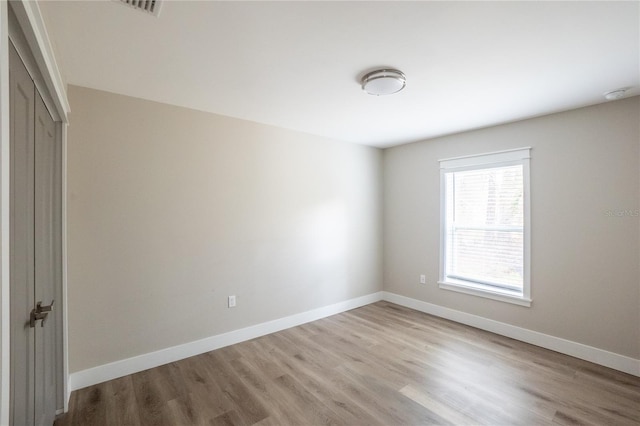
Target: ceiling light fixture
(615, 94)
(383, 82)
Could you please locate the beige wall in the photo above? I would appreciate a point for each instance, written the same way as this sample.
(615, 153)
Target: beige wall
(171, 210)
(585, 269)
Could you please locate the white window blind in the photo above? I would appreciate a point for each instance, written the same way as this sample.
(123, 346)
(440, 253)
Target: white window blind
(484, 202)
(485, 226)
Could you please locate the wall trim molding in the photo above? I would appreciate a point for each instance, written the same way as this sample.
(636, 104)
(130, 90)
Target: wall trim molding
(102, 373)
(578, 350)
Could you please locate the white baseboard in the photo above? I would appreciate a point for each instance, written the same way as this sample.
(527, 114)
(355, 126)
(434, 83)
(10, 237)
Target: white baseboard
(132, 365)
(567, 347)
(102, 373)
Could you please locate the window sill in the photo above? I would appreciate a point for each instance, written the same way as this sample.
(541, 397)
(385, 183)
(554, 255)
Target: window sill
(482, 292)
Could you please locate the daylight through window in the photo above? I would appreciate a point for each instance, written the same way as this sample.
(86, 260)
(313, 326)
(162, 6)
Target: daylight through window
(484, 243)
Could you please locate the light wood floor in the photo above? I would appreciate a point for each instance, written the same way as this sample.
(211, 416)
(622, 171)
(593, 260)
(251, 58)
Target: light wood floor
(377, 365)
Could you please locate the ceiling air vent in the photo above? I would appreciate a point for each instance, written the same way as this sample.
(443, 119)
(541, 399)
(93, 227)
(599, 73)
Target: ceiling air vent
(152, 7)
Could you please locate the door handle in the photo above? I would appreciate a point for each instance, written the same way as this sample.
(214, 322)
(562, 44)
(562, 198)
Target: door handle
(40, 313)
(46, 308)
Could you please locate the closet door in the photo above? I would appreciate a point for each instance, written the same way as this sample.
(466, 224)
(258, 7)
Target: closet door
(45, 269)
(22, 99)
(35, 248)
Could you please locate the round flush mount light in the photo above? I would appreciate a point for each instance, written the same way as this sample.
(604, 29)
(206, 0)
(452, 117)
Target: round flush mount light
(615, 94)
(383, 82)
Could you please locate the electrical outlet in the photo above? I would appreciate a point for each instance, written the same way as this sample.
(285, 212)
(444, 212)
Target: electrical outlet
(423, 279)
(232, 301)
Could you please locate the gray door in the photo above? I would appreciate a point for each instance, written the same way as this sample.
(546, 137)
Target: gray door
(45, 270)
(33, 248)
(22, 113)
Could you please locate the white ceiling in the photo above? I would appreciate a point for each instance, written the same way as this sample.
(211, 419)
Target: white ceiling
(297, 64)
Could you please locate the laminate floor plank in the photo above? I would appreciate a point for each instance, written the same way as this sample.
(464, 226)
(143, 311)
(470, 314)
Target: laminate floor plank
(208, 398)
(381, 364)
(230, 418)
(237, 392)
(183, 411)
(89, 406)
(149, 399)
(264, 388)
(262, 358)
(121, 406)
(309, 371)
(404, 409)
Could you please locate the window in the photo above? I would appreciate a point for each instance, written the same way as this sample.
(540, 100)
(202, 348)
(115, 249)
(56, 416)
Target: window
(484, 220)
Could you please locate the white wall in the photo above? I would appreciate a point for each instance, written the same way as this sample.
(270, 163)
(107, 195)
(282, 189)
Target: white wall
(171, 210)
(585, 264)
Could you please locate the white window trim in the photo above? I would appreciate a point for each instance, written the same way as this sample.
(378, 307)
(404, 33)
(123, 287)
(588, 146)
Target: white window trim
(490, 160)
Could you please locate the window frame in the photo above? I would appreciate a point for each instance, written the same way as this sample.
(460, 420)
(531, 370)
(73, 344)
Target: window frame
(519, 156)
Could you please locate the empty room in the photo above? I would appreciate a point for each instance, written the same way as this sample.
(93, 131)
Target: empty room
(319, 212)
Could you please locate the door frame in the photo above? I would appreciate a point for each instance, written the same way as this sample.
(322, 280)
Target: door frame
(36, 51)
